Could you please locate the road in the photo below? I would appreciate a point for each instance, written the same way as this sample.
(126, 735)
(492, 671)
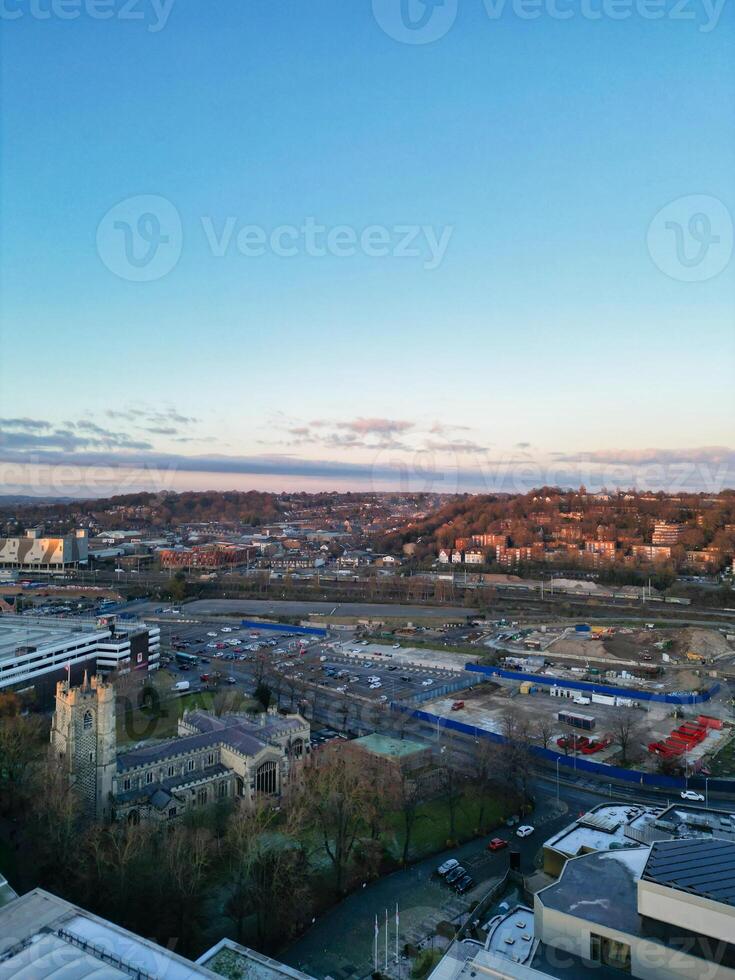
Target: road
(340, 943)
(287, 607)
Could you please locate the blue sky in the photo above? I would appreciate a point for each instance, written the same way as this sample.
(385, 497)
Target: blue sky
(554, 330)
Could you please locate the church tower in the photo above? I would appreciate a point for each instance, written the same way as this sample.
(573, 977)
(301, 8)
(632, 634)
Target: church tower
(84, 740)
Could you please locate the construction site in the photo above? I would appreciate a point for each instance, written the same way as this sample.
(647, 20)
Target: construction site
(656, 698)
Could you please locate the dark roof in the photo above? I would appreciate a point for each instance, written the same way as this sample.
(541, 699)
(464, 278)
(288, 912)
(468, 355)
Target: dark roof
(600, 887)
(697, 866)
(169, 787)
(169, 749)
(236, 731)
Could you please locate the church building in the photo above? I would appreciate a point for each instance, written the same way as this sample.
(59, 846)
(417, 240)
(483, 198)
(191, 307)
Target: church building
(212, 758)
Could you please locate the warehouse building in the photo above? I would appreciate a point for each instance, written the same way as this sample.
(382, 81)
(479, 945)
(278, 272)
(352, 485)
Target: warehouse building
(36, 553)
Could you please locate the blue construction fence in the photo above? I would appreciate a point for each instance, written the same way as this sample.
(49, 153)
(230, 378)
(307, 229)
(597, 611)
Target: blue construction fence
(600, 770)
(685, 697)
(284, 628)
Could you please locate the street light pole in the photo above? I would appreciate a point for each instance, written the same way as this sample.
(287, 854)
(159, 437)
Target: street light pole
(558, 760)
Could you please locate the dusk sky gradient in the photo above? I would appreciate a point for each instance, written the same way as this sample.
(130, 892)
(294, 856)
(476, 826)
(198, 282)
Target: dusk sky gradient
(548, 332)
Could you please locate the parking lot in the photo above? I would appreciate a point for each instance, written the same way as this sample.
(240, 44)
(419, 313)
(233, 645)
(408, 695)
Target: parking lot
(332, 663)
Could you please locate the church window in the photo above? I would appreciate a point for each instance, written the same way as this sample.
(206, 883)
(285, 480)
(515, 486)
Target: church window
(190, 765)
(87, 721)
(126, 784)
(149, 777)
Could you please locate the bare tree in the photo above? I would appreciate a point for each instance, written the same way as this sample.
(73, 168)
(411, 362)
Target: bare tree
(408, 793)
(336, 792)
(626, 728)
(543, 729)
(452, 782)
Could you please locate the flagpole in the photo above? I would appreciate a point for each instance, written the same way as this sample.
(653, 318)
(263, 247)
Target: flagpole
(375, 952)
(397, 924)
(386, 941)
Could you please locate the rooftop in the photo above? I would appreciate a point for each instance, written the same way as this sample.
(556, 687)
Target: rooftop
(32, 631)
(601, 888)
(698, 867)
(42, 936)
(394, 748)
(231, 960)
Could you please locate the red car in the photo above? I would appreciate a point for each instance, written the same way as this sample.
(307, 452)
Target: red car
(458, 705)
(497, 844)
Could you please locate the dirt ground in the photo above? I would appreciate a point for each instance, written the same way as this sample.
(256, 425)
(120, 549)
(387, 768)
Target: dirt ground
(642, 645)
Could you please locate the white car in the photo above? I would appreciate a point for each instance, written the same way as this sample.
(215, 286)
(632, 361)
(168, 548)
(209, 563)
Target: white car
(226, 629)
(426, 683)
(524, 831)
(445, 868)
(211, 646)
(212, 633)
(383, 698)
(690, 794)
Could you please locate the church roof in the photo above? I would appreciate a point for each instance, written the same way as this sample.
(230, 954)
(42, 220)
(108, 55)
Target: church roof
(237, 732)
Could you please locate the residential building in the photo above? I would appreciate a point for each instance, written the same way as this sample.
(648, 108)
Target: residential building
(217, 555)
(473, 556)
(490, 540)
(666, 533)
(597, 547)
(651, 552)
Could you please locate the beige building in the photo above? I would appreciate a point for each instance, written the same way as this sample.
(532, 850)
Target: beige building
(35, 553)
(212, 758)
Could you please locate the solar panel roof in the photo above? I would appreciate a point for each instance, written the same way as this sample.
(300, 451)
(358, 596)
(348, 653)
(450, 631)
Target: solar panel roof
(700, 867)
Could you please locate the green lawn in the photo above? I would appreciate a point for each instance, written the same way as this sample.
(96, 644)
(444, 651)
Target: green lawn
(137, 724)
(431, 830)
(723, 763)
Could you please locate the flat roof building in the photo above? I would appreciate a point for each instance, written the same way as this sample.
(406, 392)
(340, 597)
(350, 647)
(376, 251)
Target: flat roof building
(36, 651)
(658, 911)
(43, 937)
(35, 553)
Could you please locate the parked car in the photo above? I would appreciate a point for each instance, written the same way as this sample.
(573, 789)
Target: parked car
(455, 874)
(212, 633)
(458, 705)
(448, 866)
(497, 844)
(690, 794)
(524, 831)
(464, 884)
